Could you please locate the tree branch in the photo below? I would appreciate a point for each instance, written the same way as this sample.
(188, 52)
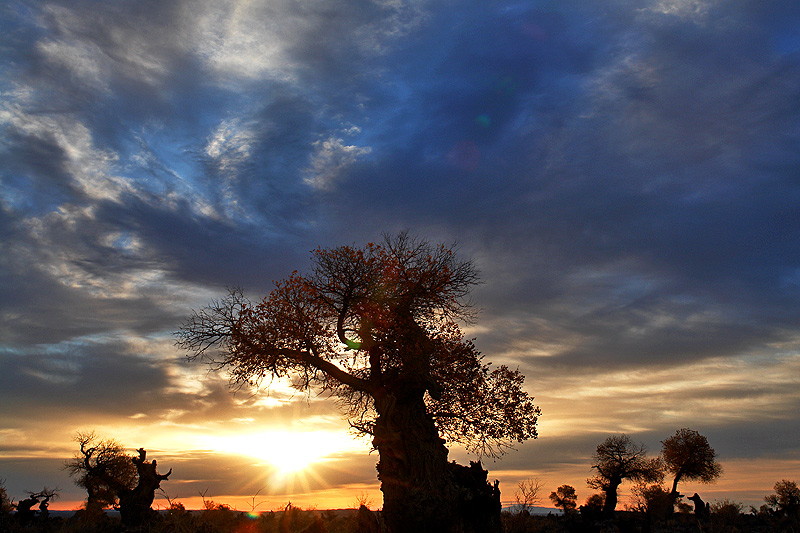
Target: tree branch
(327, 367)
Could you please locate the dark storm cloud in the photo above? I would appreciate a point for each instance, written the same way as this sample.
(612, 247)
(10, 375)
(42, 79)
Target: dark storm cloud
(82, 381)
(674, 163)
(70, 274)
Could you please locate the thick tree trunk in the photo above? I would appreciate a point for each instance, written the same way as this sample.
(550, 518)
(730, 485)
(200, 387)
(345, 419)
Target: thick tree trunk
(135, 504)
(678, 477)
(422, 492)
(610, 504)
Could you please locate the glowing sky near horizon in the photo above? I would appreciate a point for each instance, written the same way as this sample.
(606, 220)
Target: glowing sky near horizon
(624, 175)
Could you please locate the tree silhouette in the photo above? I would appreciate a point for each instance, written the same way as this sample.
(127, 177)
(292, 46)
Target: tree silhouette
(102, 467)
(135, 504)
(688, 456)
(527, 494)
(786, 499)
(6, 507)
(377, 328)
(619, 458)
(112, 478)
(43, 497)
(565, 498)
(655, 500)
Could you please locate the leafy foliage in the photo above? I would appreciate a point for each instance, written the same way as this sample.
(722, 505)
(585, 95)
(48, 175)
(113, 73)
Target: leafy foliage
(565, 498)
(786, 498)
(369, 320)
(687, 455)
(6, 507)
(618, 458)
(653, 499)
(594, 502)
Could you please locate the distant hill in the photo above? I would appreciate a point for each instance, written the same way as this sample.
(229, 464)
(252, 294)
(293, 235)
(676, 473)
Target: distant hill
(539, 511)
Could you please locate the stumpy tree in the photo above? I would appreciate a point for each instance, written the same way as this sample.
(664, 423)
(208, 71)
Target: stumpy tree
(113, 478)
(377, 327)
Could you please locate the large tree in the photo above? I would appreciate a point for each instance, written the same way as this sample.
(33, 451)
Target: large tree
(377, 327)
(687, 456)
(619, 458)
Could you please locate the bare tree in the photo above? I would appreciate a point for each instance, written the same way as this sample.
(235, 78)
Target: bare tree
(44, 496)
(527, 494)
(376, 327)
(618, 458)
(135, 505)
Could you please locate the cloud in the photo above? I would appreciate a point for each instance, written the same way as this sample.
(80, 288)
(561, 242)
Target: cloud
(329, 160)
(623, 176)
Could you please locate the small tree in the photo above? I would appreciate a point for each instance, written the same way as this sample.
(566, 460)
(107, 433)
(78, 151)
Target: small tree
(44, 496)
(594, 503)
(616, 459)
(565, 498)
(103, 468)
(6, 507)
(654, 500)
(527, 494)
(688, 456)
(786, 499)
(113, 478)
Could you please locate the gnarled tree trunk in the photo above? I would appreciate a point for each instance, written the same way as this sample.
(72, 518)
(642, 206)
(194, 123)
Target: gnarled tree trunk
(135, 504)
(422, 491)
(610, 503)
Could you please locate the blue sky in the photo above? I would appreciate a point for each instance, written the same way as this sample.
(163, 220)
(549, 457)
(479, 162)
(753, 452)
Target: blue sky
(625, 175)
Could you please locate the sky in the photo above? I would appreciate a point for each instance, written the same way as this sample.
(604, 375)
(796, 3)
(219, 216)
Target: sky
(624, 174)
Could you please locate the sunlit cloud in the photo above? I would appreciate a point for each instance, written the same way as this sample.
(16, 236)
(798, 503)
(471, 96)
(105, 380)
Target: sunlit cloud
(331, 157)
(695, 10)
(233, 38)
(90, 169)
(712, 393)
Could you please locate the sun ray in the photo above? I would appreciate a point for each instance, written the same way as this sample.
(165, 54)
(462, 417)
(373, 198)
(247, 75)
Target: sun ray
(289, 455)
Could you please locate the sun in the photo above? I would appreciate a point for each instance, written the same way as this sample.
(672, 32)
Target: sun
(286, 452)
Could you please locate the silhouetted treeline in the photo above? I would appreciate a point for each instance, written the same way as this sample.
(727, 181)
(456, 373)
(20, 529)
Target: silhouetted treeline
(655, 506)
